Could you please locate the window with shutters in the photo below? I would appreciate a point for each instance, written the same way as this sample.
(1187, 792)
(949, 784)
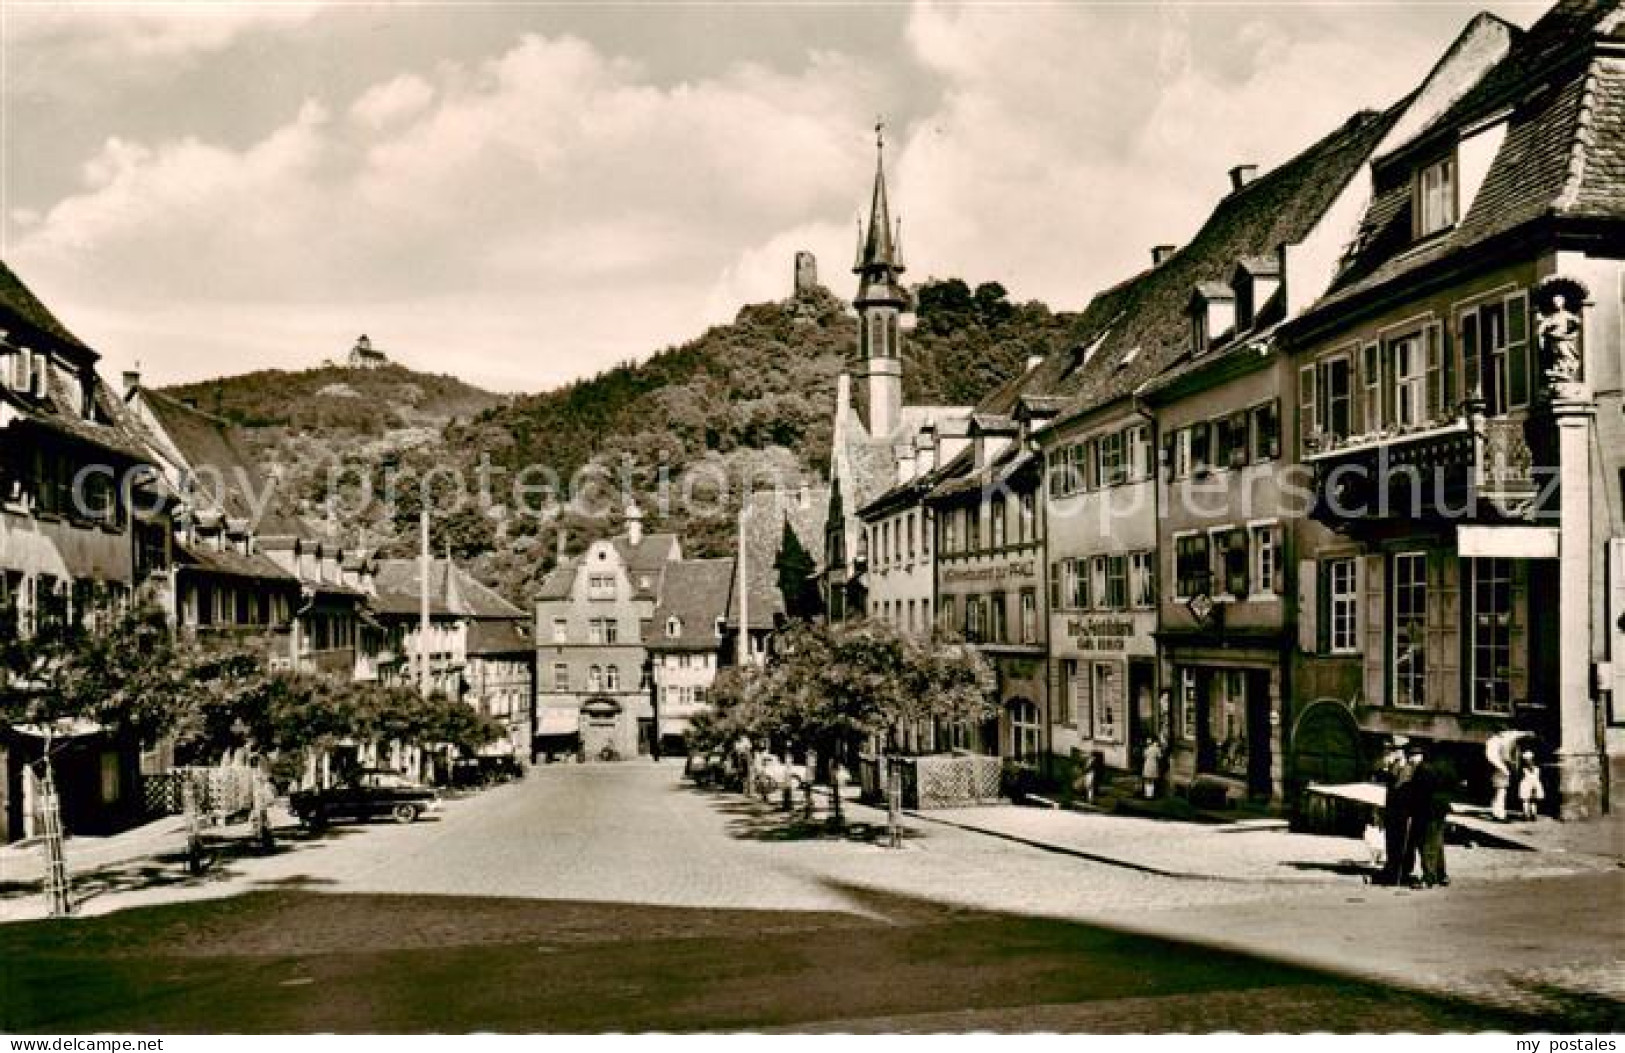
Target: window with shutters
(1495, 359)
(973, 529)
(1266, 432)
(974, 625)
(1097, 581)
(1335, 398)
(1117, 582)
(1408, 588)
(1266, 577)
(1490, 615)
(1342, 606)
(1230, 549)
(1408, 369)
(1192, 570)
(1201, 440)
(1142, 579)
(1371, 387)
(999, 517)
(999, 622)
(1137, 452)
(1029, 617)
(1113, 469)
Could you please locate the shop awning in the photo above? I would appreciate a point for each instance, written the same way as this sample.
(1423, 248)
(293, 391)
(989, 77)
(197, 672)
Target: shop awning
(558, 720)
(1507, 542)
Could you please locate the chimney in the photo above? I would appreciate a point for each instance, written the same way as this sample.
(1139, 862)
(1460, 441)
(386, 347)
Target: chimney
(132, 380)
(634, 524)
(1161, 253)
(1241, 175)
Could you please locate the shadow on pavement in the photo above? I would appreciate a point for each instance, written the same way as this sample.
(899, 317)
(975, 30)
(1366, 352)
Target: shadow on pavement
(298, 961)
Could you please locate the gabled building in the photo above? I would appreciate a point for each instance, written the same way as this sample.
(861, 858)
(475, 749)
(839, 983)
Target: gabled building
(781, 532)
(222, 584)
(592, 619)
(875, 434)
(84, 526)
(478, 648)
(688, 642)
(1458, 410)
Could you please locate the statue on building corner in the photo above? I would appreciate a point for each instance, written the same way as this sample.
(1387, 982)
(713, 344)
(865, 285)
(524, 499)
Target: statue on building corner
(1558, 303)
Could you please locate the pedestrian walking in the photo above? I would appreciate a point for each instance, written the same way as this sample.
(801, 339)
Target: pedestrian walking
(1395, 771)
(1501, 751)
(1151, 767)
(1530, 789)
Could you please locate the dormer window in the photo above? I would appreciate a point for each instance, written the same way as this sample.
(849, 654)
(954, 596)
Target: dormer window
(674, 627)
(1255, 282)
(1437, 199)
(1213, 315)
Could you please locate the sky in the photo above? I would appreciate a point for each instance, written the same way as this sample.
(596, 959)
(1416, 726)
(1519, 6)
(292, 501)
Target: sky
(524, 193)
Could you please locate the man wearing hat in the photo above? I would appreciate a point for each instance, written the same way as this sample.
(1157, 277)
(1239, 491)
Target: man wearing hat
(1394, 771)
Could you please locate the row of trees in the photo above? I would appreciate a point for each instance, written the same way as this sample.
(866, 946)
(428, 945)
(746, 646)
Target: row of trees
(138, 679)
(830, 688)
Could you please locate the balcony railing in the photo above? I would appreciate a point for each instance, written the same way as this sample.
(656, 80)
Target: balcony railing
(1474, 467)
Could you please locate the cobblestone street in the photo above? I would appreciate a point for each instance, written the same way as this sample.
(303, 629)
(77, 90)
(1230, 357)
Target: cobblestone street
(589, 863)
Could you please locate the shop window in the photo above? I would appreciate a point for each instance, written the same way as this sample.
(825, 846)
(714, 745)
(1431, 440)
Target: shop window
(1106, 688)
(1491, 617)
(1408, 630)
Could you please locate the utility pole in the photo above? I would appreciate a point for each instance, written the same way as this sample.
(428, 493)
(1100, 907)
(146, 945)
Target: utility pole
(423, 601)
(743, 643)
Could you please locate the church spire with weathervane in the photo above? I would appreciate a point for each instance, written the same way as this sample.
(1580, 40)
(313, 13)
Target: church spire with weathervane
(880, 301)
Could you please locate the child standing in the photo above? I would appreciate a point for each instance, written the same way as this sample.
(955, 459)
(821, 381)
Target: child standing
(1530, 790)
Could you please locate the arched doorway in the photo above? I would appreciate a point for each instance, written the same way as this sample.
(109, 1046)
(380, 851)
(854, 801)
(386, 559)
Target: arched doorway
(600, 729)
(1326, 745)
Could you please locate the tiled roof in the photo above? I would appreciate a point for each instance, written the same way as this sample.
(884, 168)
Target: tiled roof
(697, 593)
(1149, 312)
(231, 563)
(213, 451)
(763, 520)
(452, 591)
(111, 426)
(498, 636)
(1563, 153)
(559, 581)
(19, 305)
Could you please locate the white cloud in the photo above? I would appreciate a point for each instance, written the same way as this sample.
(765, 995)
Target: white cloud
(393, 101)
(134, 32)
(583, 210)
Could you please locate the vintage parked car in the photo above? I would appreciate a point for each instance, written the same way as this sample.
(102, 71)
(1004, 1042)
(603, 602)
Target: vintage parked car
(367, 795)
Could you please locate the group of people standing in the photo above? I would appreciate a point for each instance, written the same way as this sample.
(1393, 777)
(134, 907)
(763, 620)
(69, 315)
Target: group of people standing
(1421, 786)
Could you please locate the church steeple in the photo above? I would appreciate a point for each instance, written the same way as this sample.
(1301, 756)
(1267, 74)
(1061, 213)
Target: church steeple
(880, 300)
(880, 260)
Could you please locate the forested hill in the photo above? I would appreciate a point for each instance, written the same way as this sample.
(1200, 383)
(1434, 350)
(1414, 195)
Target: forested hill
(749, 400)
